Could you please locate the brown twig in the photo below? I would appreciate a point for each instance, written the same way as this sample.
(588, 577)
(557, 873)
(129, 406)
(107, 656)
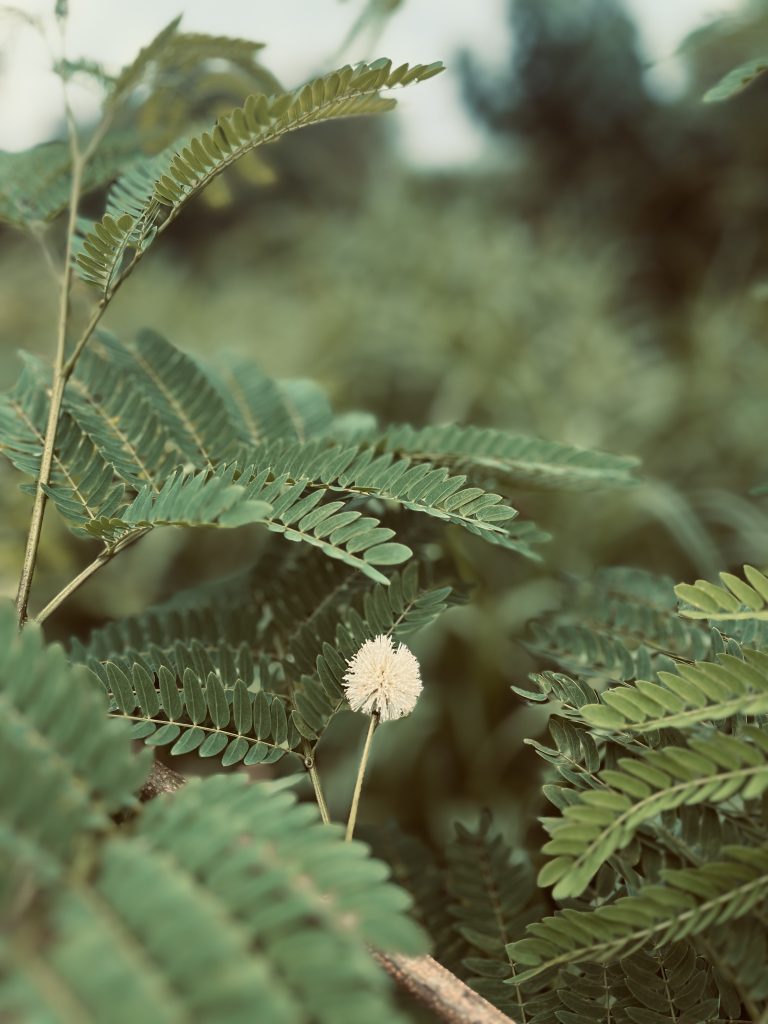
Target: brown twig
(445, 994)
(162, 779)
(421, 976)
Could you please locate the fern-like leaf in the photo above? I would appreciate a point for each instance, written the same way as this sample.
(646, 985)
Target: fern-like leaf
(418, 487)
(714, 768)
(512, 457)
(620, 624)
(232, 723)
(180, 914)
(706, 691)
(689, 901)
(735, 600)
(493, 899)
(82, 484)
(343, 93)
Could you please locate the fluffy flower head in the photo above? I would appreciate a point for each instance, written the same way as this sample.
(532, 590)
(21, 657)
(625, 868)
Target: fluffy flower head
(383, 678)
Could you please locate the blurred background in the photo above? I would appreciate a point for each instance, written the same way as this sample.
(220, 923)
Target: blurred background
(555, 237)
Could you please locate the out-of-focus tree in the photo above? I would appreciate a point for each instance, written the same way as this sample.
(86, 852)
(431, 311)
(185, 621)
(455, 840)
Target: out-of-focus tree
(673, 181)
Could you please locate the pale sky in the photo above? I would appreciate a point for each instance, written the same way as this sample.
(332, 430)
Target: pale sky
(302, 38)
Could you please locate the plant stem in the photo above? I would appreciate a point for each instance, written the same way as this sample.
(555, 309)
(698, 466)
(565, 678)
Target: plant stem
(360, 776)
(57, 390)
(72, 586)
(101, 559)
(62, 368)
(309, 764)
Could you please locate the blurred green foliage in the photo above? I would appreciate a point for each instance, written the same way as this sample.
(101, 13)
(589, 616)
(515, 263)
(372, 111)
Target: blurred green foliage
(600, 283)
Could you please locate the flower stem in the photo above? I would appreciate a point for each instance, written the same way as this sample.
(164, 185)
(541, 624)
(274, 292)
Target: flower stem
(360, 776)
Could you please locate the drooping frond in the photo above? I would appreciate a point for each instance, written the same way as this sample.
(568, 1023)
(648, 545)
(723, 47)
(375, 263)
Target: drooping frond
(343, 93)
(703, 692)
(736, 600)
(514, 458)
(64, 768)
(689, 901)
(418, 487)
(714, 768)
(179, 914)
(203, 499)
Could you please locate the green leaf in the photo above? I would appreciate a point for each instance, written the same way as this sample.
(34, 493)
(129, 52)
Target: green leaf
(66, 766)
(687, 902)
(736, 80)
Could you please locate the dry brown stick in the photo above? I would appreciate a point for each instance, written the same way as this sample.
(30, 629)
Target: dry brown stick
(444, 993)
(424, 978)
(161, 779)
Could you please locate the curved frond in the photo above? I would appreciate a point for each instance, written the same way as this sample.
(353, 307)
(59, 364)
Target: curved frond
(704, 692)
(203, 499)
(689, 901)
(418, 487)
(735, 600)
(262, 119)
(515, 458)
(713, 768)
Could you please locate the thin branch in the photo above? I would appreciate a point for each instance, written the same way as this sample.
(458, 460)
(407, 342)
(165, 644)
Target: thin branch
(57, 391)
(424, 978)
(73, 585)
(102, 559)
